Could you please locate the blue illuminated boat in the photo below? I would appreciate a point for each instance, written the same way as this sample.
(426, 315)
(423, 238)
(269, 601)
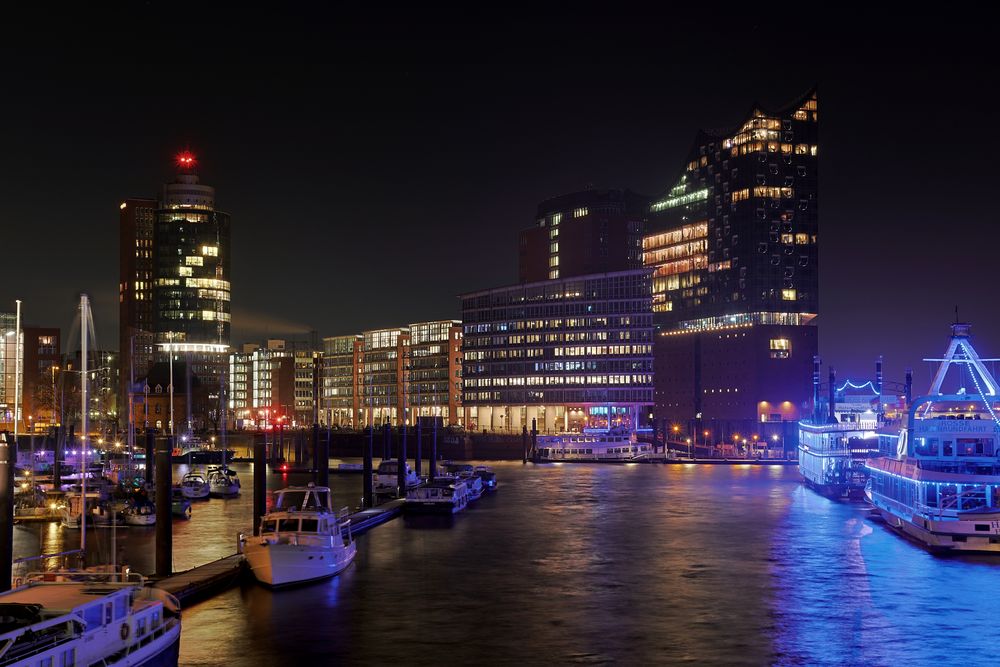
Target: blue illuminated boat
(836, 442)
(942, 488)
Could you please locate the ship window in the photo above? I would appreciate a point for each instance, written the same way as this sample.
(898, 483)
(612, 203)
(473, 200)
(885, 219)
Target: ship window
(310, 525)
(93, 616)
(983, 527)
(121, 607)
(926, 446)
(68, 658)
(290, 525)
(269, 526)
(932, 498)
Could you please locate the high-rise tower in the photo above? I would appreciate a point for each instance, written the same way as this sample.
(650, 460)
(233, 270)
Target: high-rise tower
(191, 293)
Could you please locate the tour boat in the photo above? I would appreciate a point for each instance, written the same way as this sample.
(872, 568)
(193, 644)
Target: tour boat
(385, 480)
(615, 444)
(223, 483)
(942, 489)
(195, 487)
(835, 443)
(78, 618)
(301, 539)
(447, 495)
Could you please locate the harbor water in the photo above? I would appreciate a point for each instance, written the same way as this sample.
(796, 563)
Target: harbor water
(594, 564)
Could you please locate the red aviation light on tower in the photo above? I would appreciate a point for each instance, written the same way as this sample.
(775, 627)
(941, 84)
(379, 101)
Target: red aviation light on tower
(186, 161)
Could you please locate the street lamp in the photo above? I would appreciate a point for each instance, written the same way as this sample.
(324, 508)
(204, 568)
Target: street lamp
(690, 456)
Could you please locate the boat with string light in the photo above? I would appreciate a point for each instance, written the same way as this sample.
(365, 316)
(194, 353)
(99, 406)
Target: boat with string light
(842, 434)
(942, 488)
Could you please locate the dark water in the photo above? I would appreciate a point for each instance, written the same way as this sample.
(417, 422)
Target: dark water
(598, 564)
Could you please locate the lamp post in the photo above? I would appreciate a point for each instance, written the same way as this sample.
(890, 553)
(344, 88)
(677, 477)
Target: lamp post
(54, 370)
(690, 455)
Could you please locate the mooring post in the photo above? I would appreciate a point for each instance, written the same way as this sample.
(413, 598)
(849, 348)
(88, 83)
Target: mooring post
(164, 522)
(386, 436)
(432, 466)
(57, 456)
(367, 495)
(321, 454)
(416, 461)
(259, 481)
(534, 440)
(401, 466)
(524, 444)
(8, 459)
(150, 454)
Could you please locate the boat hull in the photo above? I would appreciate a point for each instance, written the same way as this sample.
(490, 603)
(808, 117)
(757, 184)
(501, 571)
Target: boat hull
(938, 538)
(155, 654)
(228, 491)
(430, 507)
(195, 493)
(277, 565)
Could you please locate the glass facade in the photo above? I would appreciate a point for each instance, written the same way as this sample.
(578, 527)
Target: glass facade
(568, 353)
(737, 233)
(9, 355)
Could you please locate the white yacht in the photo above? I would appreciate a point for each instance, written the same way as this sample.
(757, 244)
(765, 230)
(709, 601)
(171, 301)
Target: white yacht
(447, 495)
(88, 619)
(593, 445)
(98, 514)
(466, 473)
(195, 487)
(301, 539)
(384, 480)
(223, 483)
(942, 489)
(140, 514)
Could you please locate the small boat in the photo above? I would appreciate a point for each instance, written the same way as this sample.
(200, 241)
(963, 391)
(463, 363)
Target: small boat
(223, 483)
(466, 473)
(447, 495)
(488, 476)
(180, 506)
(385, 480)
(301, 539)
(97, 512)
(140, 514)
(195, 487)
(88, 618)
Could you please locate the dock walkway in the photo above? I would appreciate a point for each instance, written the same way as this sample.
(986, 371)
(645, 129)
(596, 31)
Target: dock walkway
(205, 579)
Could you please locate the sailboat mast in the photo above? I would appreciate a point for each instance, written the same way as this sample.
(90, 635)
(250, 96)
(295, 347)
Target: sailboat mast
(84, 319)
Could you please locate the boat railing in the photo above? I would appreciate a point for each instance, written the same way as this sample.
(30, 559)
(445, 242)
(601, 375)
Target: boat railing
(67, 577)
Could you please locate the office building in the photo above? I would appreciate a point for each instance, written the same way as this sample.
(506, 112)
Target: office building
(733, 248)
(340, 381)
(568, 354)
(42, 362)
(589, 232)
(434, 378)
(262, 385)
(12, 369)
(383, 359)
(136, 326)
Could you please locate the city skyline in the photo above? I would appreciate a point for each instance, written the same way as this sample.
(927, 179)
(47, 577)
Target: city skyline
(430, 164)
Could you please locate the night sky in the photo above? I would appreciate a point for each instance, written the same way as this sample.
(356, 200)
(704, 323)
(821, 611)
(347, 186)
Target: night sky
(377, 166)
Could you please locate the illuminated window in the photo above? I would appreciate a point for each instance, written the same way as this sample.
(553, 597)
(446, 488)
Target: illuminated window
(802, 239)
(781, 348)
(554, 233)
(554, 246)
(554, 260)
(786, 238)
(555, 219)
(740, 195)
(553, 274)
(210, 250)
(184, 270)
(788, 294)
(194, 261)
(580, 212)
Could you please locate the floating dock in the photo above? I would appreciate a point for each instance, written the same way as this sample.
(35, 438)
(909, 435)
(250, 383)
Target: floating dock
(204, 580)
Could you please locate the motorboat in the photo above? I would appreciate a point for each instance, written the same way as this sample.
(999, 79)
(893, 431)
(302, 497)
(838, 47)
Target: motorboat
(445, 495)
(97, 511)
(194, 486)
(489, 477)
(140, 513)
(301, 539)
(86, 618)
(180, 505)
(223, 483)
(466, 473)
(385, 477)
(593, 444)
(942, 487)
